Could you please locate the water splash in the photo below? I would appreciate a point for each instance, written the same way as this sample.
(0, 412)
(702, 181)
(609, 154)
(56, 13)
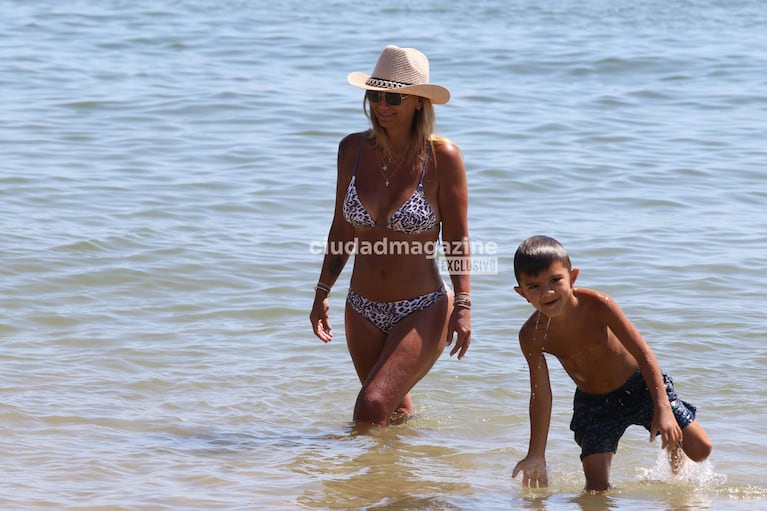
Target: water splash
(698, 475)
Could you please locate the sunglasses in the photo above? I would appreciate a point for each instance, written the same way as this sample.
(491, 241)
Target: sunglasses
(391, 98)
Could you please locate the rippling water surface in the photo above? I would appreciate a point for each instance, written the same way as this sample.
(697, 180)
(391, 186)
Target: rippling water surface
(167, 165)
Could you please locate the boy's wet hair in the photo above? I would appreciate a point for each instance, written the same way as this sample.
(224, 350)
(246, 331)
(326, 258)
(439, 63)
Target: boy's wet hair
(537, 253)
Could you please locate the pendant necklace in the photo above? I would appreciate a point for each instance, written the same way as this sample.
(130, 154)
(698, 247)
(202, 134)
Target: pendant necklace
(384, 167)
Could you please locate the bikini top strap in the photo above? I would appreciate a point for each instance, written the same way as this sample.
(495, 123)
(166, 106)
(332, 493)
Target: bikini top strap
(425, 164)
(359, 151)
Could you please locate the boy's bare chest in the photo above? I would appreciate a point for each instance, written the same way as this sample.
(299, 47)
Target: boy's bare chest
(594, 358)
(578, 346)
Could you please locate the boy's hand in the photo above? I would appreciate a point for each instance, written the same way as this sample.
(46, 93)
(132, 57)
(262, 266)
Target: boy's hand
(534, 472)
(664, 424)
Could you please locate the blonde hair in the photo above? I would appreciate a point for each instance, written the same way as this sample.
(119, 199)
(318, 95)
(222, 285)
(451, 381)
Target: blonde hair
(422, 132)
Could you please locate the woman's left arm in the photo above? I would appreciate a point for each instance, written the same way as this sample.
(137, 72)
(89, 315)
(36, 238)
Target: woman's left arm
(453, 208)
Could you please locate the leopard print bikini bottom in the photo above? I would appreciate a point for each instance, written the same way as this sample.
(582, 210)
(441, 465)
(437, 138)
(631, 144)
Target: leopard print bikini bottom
(384, 315)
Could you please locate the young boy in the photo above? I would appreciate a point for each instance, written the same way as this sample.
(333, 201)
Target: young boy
(617, 376)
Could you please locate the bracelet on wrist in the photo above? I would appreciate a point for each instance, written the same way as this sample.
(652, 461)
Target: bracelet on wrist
(322, 287)
(462, 300)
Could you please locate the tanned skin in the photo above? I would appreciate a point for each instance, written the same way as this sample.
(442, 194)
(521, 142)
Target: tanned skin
(600, 349)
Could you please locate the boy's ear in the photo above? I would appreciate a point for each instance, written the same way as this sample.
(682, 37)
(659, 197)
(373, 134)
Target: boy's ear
(574, 275)
(520, 292)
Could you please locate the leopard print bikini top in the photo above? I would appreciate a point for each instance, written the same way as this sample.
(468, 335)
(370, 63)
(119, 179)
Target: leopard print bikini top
(413, 217)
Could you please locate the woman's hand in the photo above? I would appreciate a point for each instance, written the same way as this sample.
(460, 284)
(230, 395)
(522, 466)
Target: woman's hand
(319, 318)
(460, 324)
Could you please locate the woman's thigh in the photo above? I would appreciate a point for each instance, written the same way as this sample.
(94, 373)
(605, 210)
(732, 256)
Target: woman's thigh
(364, 341)
(410, 350)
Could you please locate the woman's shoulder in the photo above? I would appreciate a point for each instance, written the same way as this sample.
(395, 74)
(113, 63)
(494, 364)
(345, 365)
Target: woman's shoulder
(350, 143)
(354, 138)
(447, 158)
(446, 148)
(443, 143)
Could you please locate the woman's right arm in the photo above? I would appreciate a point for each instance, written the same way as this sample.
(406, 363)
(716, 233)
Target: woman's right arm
(341, 234)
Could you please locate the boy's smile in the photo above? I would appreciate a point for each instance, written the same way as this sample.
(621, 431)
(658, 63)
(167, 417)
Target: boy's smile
(550, 290)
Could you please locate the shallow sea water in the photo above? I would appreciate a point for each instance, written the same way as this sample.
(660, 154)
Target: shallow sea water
(166, 168)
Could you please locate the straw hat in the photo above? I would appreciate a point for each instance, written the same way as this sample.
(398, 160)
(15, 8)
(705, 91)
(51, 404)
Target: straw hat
(404, 70)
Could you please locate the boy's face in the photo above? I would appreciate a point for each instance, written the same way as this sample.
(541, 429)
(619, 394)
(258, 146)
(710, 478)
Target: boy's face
(550, 290)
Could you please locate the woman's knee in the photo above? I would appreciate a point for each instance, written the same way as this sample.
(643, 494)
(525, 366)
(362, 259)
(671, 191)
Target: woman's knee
(372, 407)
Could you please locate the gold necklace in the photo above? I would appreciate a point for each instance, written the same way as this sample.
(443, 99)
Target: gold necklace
(384, 167)
(387, 177)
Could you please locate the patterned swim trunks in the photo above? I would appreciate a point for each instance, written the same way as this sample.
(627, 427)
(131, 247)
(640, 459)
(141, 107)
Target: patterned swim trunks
(599, 420)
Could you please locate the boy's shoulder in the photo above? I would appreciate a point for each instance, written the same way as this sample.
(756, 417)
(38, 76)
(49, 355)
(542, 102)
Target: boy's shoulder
(592, 297)
(584, 292)
(528, 333)
(529, 322)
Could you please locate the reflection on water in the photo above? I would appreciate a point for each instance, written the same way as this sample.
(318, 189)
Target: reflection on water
(589, 501)
(165, 169)
(389, 468)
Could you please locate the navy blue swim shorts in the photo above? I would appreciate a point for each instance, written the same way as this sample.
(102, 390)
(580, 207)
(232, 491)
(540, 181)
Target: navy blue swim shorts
(599, 420)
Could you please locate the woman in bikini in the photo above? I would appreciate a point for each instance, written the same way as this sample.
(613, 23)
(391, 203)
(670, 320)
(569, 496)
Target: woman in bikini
(398, 185)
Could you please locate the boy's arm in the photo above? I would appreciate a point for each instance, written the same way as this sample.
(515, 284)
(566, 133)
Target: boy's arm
(664, 422)
(533, 466)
